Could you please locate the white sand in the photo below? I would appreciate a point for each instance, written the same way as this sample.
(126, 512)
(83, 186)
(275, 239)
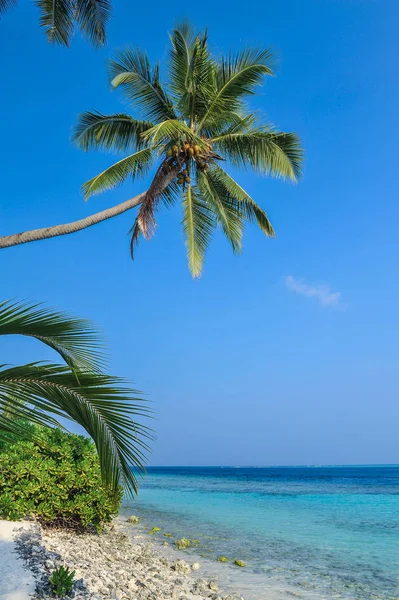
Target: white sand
(16, 583)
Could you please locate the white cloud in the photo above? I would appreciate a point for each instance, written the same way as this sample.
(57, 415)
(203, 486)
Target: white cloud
(321, 291)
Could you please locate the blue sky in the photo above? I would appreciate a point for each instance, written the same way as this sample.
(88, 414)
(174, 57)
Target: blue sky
(287, 354)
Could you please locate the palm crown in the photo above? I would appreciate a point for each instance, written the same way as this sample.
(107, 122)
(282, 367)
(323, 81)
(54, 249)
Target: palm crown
(59, 18)
(192, 127)
(77, 390)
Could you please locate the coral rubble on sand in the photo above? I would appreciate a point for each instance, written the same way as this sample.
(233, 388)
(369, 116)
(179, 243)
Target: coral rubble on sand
(133, 520)
(110, 567)
(182, 544)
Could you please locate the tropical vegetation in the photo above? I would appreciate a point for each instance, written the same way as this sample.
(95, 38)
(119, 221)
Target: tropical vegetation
(42, 393)
(193, 133)
(55, 477)
(61, 581)
(59, 18)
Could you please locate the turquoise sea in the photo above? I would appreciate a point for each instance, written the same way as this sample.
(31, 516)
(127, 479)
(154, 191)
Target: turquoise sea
(306, 532)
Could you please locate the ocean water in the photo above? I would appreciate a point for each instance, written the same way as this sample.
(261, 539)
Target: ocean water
(306, 532)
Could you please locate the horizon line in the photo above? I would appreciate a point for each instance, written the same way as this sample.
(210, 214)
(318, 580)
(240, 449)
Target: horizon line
(306, 466)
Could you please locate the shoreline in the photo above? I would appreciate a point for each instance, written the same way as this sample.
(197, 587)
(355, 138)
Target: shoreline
(236, 582)
(109, 566)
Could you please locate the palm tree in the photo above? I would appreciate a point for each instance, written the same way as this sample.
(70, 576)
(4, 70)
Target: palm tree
(188, 129)
(77, 390)
(58, 18)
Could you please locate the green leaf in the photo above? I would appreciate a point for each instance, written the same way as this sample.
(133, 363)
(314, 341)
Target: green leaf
(57, 19)
(201, 82)
(118, 132)
(134, 165)
(92, 17)
(171, 131)
(237, 76)
(101, 404)
(198, 224)
(192, 72)
(140, 83)
(183, 42)
(270, 152)
(226, 209)
(6, 5)
(75, 340)
(251, 210)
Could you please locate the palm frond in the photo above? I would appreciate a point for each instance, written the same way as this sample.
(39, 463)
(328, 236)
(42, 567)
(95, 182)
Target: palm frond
(251, 210)
(267, 151)
(183, 41)
(133, 165)
(101, 404)
(6, 5)
(75, 340)
(171, 193)
(57, 19)
(145, 220)
(198, 224)
(234, 122)
(118, 132)
(171, 131)
(236, 77)
(131, 71)
(92, 17)
(163, 187)
(201, 81)
(227, 210)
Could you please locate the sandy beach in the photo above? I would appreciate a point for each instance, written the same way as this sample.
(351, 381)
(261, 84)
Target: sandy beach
(16, 581)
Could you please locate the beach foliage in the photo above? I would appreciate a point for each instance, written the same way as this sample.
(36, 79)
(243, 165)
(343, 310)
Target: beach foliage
(193, 130)
(55, 478)
(77, 391)
(61, 581)
(59, 19)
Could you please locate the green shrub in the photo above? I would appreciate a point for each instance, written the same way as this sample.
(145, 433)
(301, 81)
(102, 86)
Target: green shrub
(56, 479)
(61, 581)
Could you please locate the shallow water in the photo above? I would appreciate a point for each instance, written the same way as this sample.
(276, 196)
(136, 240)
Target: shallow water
(315, 532)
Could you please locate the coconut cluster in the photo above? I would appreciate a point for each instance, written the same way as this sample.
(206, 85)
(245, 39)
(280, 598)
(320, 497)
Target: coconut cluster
(182, 155)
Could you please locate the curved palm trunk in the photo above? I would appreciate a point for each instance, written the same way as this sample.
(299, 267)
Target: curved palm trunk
(49, 232)
(158, 185)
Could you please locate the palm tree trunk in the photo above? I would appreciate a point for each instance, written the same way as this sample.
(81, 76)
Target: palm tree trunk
(49, 232)
(159, 183)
